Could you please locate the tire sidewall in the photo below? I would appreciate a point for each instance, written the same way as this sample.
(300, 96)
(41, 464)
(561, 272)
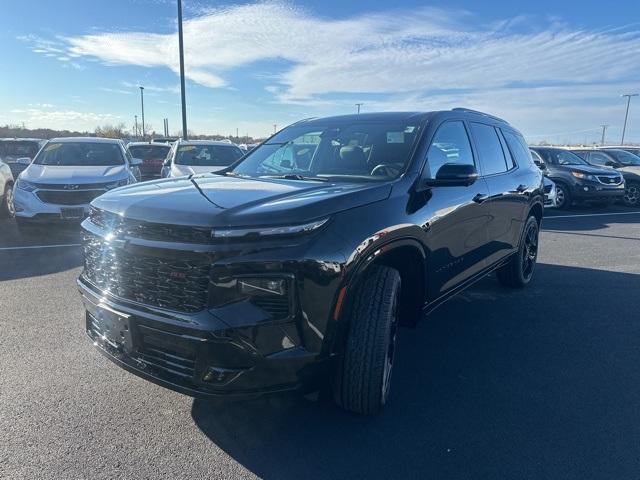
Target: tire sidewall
(530, 221)
(566, 194)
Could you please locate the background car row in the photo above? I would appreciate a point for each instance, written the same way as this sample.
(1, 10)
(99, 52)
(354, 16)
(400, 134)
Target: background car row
(70, 172)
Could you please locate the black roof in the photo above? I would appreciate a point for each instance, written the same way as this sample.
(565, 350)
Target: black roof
(399, 116)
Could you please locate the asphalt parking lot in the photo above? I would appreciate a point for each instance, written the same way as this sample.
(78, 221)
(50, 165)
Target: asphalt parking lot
(540, 383)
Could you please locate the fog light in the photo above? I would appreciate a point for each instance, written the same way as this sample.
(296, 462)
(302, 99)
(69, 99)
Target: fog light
(586, 189)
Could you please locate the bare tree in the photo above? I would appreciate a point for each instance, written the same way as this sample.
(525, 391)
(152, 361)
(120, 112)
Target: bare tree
(112, 131)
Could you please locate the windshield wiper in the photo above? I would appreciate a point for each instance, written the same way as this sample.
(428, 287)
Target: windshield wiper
(297, 176)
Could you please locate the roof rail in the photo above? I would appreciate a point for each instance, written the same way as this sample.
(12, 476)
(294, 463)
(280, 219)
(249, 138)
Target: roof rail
(468, 110)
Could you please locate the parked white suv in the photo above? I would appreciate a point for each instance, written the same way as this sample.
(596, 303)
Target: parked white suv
(6, 191)
(188, 157)
(67, 174)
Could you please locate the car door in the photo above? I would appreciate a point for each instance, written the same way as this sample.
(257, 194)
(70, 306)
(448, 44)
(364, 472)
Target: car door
(454, 218)
(508, 190)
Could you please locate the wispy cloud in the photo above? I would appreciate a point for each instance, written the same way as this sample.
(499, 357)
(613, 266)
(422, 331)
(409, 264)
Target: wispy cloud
(385, 53)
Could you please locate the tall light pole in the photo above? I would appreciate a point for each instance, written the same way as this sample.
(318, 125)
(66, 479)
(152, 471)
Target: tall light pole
(142, 103)
(626, 115)
(604, 130)
(359, 105)
(275, 127)
(182, 94)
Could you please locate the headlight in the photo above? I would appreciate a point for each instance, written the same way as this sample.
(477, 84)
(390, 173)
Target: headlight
(583, 176)
(237, 233)
(26, 186)
(119, 183)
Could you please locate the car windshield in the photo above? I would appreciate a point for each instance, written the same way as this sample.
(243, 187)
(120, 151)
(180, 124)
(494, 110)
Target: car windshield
(340, 151)
(19, 149)
(80, 154)
(149, 152)
(561, 157)
(207, 155)
(624, 157)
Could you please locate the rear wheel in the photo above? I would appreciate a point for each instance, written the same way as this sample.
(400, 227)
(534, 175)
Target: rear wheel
(563, 196)
(518, 272)
(363, 379)
(632, 194)
(6, 208)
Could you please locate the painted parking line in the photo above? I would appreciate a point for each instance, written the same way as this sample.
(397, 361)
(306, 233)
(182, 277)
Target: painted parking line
(550, 217)
(35, 247)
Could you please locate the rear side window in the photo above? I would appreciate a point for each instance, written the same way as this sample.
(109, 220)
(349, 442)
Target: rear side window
(598, 158)
(518, 147)
(490, 149)
(450, 145)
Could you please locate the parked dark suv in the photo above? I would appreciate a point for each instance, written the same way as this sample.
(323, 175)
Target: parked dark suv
(576, 180)
(624, 162)
(294, 267)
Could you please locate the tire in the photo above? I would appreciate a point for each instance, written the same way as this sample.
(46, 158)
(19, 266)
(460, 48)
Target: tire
(518, 272)
(362, 381)
(632, 194)
(563, 196)
(6, 208)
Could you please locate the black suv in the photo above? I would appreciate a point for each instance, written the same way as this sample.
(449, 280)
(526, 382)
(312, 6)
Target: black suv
(623, 161)
(577, 180)
(294, 267)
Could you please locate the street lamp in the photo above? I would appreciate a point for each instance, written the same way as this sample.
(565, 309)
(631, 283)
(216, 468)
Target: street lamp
(182, 94)
(359, 105)
(142, 103)
(604, 131)
(626, 115)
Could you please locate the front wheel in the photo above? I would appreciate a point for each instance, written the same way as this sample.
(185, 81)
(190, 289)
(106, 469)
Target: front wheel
(6, 207)
(518, 272)
(363, 379)
(632, 194)
(563, 196)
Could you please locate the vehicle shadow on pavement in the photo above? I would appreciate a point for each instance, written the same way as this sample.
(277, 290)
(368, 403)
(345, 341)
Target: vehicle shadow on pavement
(30, 255)
(494, 384)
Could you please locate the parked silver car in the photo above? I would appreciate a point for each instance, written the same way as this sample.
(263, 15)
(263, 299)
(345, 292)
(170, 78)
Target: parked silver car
(6, 191)
(67, 174)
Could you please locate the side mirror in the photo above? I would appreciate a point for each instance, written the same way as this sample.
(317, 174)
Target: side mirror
(24, 161)
(452, 175)
(611, 164)
(540, 164)
(135, 162)
(167, 162)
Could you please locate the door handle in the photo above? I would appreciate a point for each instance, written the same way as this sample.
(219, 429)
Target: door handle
(480, 197)
(521, 188)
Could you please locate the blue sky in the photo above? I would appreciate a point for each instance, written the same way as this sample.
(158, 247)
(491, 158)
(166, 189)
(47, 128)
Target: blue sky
(554, 69)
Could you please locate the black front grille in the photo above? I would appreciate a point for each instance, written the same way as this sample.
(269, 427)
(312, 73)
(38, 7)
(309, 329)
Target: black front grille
(171, 283)
(148, 230)
(61, 197)
(609, 180)
(78, 186)
(160, 352)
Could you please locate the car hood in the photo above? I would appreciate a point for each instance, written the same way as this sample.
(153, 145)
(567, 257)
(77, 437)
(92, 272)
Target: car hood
(217, 201)
(593, 170)
(79, 175)
(179, 170)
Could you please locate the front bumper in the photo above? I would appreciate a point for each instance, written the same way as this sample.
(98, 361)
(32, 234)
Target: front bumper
(198, 354)
(588, 190)
(29, 207)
